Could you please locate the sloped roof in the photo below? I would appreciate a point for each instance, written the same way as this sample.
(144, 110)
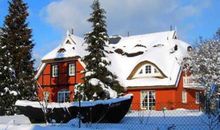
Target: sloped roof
(157, 48)
(72, 45)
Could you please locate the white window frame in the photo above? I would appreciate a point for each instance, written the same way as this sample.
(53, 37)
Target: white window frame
(149, 103)
(148, 69)
(184, 96)
(63, 96)
(72, 69)
(54, 71)
(197, 97)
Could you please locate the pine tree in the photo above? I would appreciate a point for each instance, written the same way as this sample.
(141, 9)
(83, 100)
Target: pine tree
(17, 40)
(99, 81)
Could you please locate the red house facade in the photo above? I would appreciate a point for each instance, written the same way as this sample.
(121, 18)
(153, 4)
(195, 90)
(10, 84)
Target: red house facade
(148, 66)
(58, 79)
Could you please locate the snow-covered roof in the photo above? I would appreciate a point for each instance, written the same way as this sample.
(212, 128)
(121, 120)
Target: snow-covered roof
(71, 47)
(162, 49)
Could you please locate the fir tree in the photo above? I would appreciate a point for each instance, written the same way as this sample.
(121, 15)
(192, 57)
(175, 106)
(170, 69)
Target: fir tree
(99, 81)
(16, 38)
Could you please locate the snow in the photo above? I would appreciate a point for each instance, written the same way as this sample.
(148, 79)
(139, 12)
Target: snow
(101, 64)
(17, 119)
(150, 120)
(14, 93)
(94, 81)
(89, 73)
(65, 105)
(156, 48)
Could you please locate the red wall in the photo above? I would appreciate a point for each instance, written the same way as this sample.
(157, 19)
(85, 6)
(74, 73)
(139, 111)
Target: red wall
(63, 81)
(169, 98)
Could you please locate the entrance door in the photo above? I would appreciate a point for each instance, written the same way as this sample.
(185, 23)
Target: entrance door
(148, 100)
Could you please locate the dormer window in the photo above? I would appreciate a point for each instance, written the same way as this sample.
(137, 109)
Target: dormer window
(61, 50)
(147, 70)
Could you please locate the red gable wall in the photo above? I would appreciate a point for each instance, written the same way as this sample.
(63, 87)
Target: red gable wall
(63, 81)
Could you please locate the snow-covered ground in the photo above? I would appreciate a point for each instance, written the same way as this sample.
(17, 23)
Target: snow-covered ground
(150, 120)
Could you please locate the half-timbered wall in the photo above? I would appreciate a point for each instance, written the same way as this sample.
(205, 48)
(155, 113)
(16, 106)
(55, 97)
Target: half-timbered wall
(63, 81)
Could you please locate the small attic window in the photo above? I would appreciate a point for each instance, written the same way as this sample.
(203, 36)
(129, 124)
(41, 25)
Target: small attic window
(189, 48)
(155, 70)
(175, 47)
(141, 71)
(175, 37)
(114, 39)
(61, 50)
(68, 42)
(148, 70)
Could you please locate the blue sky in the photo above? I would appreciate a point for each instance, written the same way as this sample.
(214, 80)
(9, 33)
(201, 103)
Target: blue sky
(50, 19)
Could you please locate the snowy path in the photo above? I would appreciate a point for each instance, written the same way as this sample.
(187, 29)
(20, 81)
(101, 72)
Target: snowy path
(150, 120)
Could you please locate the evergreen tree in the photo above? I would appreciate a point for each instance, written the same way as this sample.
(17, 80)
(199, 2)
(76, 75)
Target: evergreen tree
(17, 43)
(7, 80)
(99, 81)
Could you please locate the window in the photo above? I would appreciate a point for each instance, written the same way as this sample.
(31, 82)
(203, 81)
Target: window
(147, 69)
(155, 70)
(54, 70)
(197, 97)
(71, 69)
(148, 100)
(140, 72)
(63, 96)
(184, 96)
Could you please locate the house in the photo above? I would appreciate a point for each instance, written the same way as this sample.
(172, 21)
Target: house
(149, 66)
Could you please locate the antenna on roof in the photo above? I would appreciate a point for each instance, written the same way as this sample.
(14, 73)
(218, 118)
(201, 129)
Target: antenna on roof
(175, 35)
(175, 29)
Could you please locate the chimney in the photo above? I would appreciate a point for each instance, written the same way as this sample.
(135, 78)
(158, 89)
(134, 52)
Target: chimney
(171, 28)
(72, 31)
